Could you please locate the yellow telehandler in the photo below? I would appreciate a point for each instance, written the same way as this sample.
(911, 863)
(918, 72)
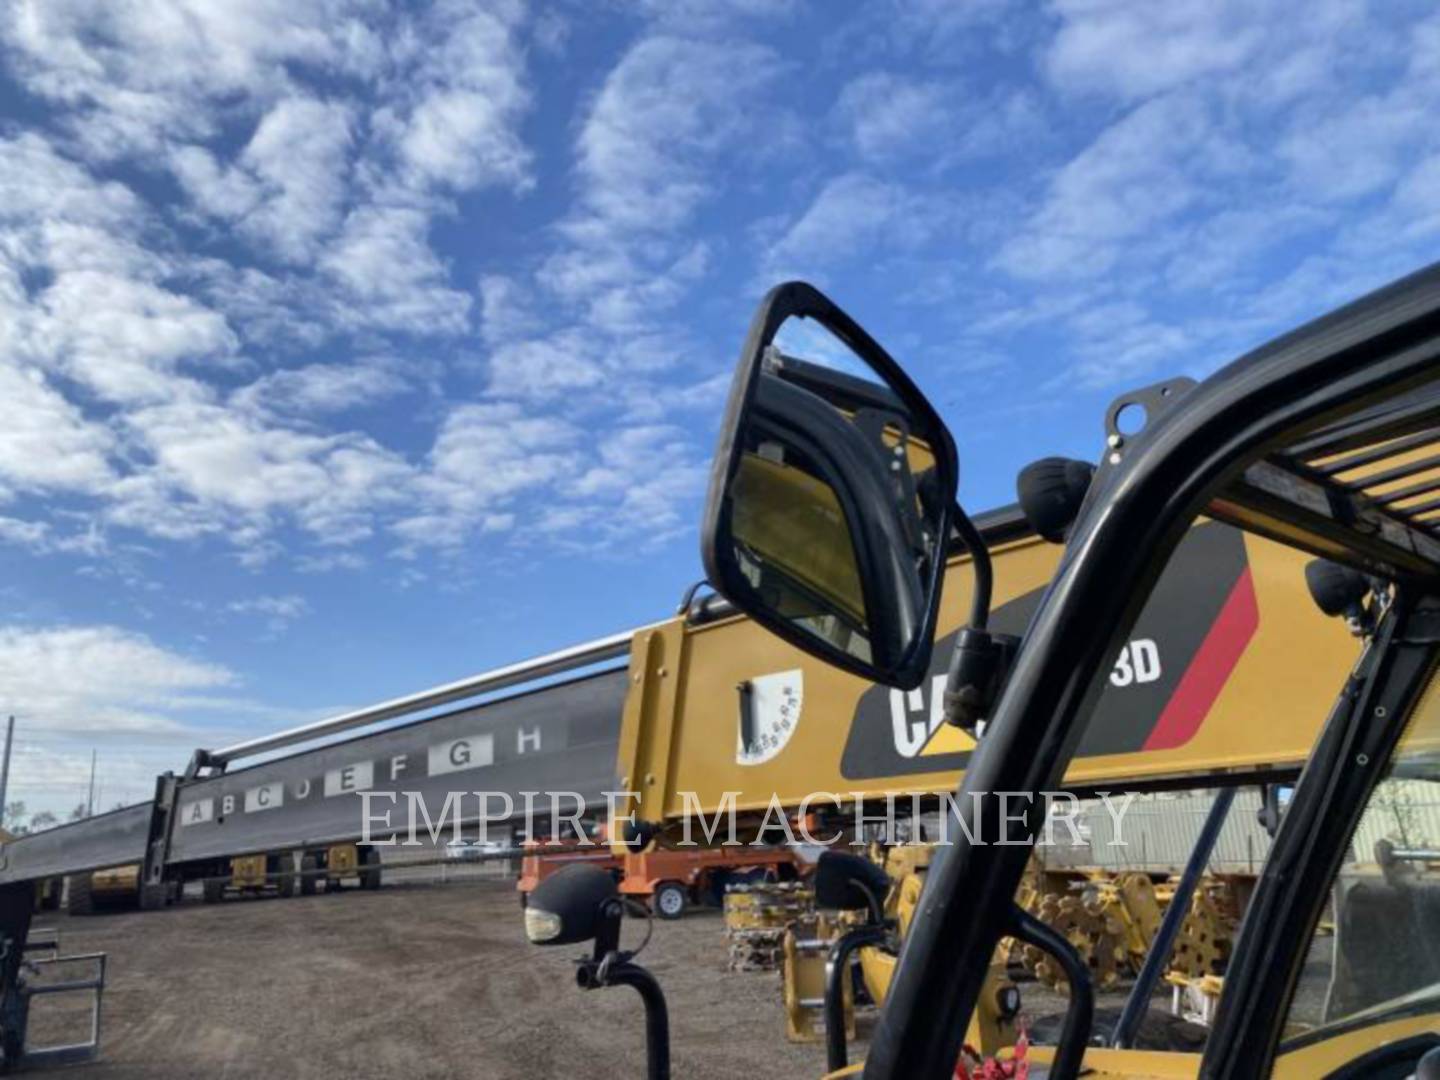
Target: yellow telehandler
(831, 522)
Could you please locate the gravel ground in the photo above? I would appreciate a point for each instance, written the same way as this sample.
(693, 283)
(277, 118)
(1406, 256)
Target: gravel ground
(413, 981)
(423, 979)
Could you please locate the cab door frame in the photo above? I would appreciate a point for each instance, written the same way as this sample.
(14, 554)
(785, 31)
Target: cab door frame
(1351, 757)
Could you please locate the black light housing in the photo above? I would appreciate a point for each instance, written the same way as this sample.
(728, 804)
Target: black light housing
(1051, 492)
(569, 906)
(848, 882)
(1336, 589)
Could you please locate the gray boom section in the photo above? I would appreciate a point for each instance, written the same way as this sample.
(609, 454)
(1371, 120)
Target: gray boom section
(111, 839)
(539, 667)
(563, 737)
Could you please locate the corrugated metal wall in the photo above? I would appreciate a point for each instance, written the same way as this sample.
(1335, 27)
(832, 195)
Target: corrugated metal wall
(1158, 832)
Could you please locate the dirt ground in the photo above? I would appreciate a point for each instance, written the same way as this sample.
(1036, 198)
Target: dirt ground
(412, 981)
(425, 979)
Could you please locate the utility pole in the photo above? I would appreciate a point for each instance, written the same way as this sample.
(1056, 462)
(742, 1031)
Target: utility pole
(5, 768)
(90, 803)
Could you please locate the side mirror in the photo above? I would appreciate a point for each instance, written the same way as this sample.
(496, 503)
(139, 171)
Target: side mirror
(831, 499)
(848, 882)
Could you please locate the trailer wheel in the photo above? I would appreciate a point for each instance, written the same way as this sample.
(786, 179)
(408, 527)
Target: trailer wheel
(48, 897)
(670, 900)
(213, 890)
(82, 900)
(309, 882)
(154, 896)
(369, 868)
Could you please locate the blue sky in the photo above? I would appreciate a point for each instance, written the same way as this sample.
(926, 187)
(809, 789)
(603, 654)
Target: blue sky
(348, 348)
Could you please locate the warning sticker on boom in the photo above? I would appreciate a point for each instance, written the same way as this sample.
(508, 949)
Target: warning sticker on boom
(769, 714)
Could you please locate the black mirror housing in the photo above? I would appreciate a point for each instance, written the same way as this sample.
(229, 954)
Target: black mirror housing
(832, 493)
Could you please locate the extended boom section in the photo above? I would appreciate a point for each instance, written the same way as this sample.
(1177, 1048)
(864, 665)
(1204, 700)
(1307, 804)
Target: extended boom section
(723, 713)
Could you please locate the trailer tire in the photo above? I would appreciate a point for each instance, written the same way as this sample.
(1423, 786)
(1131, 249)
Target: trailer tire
(309, 882)
(48, 898)
(81, 899)
(213, 890)
(369, 868)
(670, 900)
(155, 896)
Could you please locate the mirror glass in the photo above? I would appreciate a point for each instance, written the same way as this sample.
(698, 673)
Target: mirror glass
(832, 506)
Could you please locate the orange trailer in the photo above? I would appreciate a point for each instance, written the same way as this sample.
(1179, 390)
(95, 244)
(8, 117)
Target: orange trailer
(542, 859)
(669, 880)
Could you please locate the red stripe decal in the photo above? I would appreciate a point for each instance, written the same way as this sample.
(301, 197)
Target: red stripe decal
(1206, 676)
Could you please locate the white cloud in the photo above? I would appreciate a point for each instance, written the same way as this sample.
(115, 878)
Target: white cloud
(506, 310)
(661, 118)
(46, 444)
(852, 215)
(122, 338)
(545, 367)
(143, 705)
(323, 388)
(288, 187)
(217, 462)
(30, 534)
(278, 612)
(1364, 142)
(1122, 343)
(1417, 200)
(463, 96)
(390, 276)
(485, 454)
(642, 488)
(1134, 50)
(165, 85)
(497, 468)
(889, 114)
(137, 75)
(39, 538)
(97, 678)
(1155, 163)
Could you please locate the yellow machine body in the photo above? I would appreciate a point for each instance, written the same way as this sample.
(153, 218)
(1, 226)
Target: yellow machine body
(679, 736)
(248, 872)
(342, 860)
(681, 752)
(117, 881)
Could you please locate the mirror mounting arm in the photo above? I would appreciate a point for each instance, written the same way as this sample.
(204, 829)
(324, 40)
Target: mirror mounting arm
(979, 659)
(980, 563)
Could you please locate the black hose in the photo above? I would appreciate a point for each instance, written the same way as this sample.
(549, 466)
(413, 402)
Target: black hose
(1075, 1032)
(837, 969)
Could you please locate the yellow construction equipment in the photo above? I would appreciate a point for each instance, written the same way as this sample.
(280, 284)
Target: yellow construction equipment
(1163, 649)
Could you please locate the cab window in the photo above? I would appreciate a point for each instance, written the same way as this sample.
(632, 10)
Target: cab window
(1375, 956)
